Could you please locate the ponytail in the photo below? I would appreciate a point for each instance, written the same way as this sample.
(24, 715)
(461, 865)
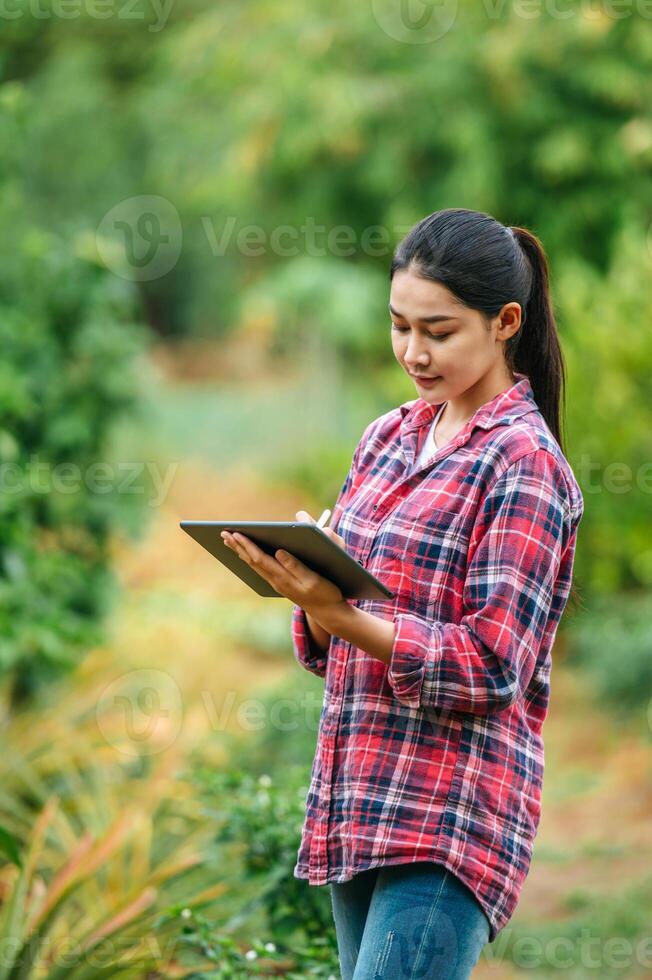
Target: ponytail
(534, 350)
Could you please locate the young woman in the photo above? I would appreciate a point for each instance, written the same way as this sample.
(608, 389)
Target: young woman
(425, 789)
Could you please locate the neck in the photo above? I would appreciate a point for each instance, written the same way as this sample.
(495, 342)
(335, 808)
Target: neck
(459, 410)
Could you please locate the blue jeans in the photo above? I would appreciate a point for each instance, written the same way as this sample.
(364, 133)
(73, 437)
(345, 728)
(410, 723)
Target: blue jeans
(407, 920)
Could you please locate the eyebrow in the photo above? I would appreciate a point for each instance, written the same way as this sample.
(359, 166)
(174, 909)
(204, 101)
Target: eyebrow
(424, 319)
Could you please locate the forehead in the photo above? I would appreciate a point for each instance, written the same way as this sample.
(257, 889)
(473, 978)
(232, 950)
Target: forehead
(415, 297)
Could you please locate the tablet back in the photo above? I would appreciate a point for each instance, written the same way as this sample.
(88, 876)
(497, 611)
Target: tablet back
(305, 541)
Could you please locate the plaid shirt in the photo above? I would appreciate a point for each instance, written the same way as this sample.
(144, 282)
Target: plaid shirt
(438, 755)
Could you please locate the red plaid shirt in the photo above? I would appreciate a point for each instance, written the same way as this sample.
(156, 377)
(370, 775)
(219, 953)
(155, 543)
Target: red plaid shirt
(438, 756)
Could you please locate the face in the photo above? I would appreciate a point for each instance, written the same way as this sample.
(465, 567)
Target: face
(455, 346)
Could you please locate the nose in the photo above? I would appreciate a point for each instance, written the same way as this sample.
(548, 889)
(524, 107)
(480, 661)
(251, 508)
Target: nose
(415, 359)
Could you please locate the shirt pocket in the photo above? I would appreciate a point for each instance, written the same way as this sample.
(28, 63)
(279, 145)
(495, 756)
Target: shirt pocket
(419, 551)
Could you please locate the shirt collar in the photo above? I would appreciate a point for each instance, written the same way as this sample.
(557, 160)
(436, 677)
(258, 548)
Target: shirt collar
(502, 409)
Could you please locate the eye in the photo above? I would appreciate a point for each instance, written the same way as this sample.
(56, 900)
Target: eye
(433, 336)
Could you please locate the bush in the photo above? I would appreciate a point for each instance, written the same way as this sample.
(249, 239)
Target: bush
(259, 806)
(612, 642)
(68, 367)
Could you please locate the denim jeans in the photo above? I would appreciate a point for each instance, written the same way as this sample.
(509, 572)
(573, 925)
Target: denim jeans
(407, 920)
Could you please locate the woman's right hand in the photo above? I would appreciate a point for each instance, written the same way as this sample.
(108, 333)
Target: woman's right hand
(303, 515)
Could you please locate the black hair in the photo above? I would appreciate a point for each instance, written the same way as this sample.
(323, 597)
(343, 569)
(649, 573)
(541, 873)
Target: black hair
(485, 265)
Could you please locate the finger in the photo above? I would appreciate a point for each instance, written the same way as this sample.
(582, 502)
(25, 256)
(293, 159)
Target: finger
(268, 566)
(303, 515)
(293, 566)
(262, 564)
(233, 545)
(251, 551)
(242, 545)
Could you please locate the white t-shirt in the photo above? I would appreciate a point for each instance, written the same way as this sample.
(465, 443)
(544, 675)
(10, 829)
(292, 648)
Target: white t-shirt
(430, 447)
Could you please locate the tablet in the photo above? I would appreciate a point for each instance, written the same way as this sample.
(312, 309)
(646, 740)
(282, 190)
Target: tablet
(305, 541)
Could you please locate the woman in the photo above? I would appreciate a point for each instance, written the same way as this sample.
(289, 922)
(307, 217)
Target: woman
(426, 784)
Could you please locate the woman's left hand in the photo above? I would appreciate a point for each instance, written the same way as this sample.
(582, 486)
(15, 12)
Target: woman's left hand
(285, 573)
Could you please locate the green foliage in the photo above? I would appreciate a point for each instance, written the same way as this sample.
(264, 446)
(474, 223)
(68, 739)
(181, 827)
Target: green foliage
(304, 186)
(85, 892)
(69, 366)
(259, 807)
(299, 298)
(605, 325)
(361, 132)
(264, 814)
(612, 642)
(238, 960)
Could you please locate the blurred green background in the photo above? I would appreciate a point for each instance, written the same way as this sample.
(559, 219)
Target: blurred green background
(198, 208)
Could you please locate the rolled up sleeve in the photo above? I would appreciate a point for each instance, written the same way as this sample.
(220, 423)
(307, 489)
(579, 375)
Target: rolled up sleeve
(306, 651)
(484, 663)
